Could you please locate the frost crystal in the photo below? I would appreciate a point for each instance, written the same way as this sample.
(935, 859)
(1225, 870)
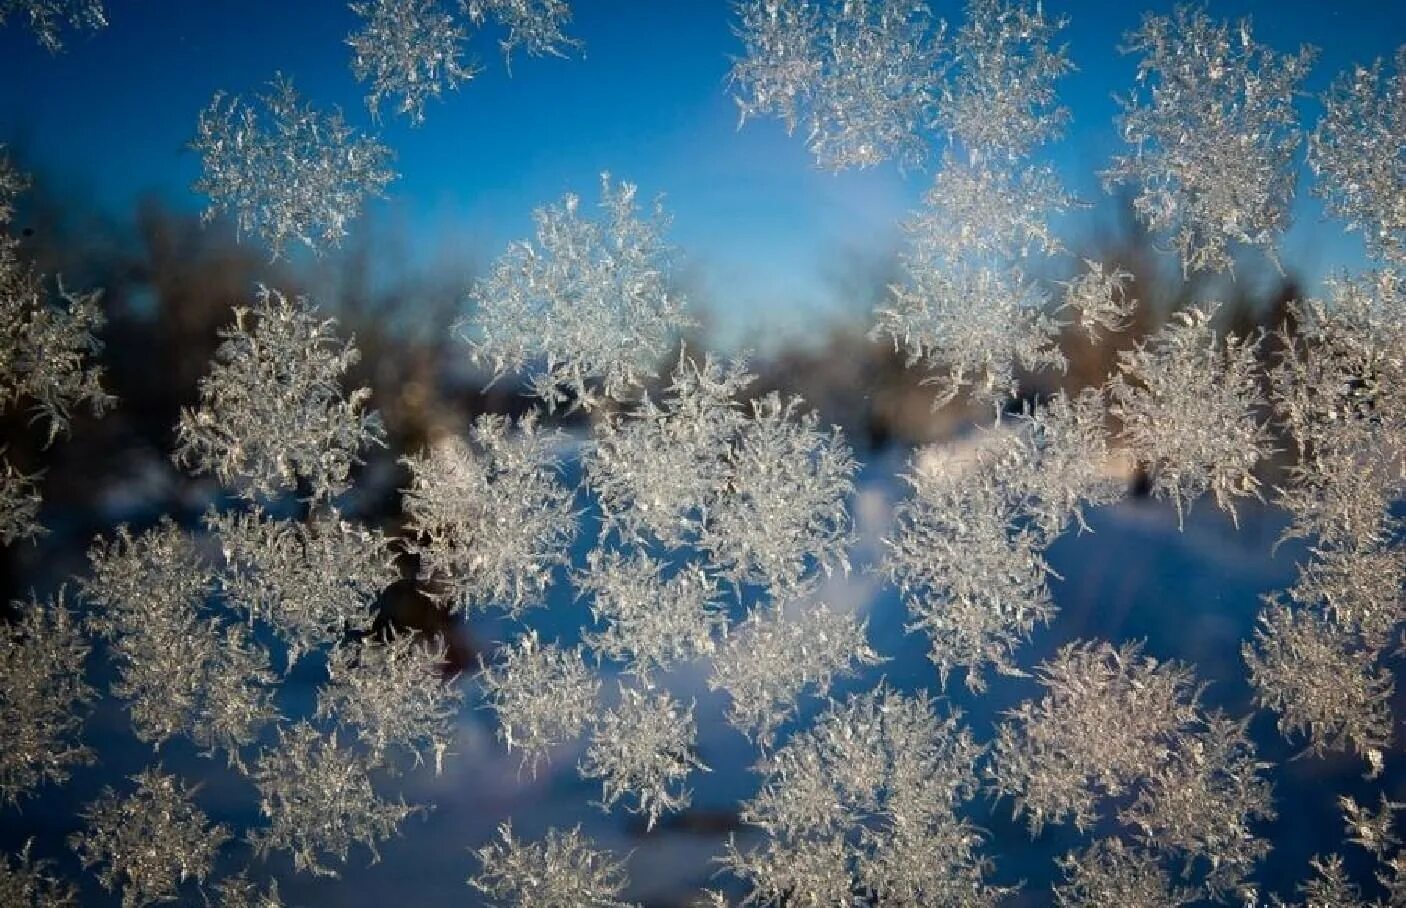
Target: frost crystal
(1358, 152)
(149, 842)
(319, 801)
(1188, 404)
(590, 300)
(642, 751)
(537, 26)
(490, 520)
(564, 870)
(27, 883)
(774, 655)
(649, 621)
(1111, 874)
(1099, 299)
(1045, 756)
(659, 467)
(543, 696)
(1372, 831)
(46, 18)
(982, 213)
(395, 693)
(285, 170)
(311, 582)
(19, 505)
(863, 804)
(782, 58)
(181, 673)
(42, 694)
(272, 410)
(410, 51)
(1214, 136)
(783, 513)
(240, 892)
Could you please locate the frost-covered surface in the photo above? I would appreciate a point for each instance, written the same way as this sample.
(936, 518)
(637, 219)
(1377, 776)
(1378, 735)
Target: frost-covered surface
(48, 18)
(561, 871)
(411, 51)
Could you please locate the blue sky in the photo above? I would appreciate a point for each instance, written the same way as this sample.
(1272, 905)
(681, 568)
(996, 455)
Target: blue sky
(772, 241)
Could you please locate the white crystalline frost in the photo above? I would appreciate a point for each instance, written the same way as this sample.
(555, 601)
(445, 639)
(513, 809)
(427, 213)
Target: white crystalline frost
(542, 694)
(564, 870)
(47, 18)
(537, 26)
(410, 51)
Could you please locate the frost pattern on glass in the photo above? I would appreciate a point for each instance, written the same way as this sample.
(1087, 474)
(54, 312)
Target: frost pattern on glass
(1110, 873)
(43, 698)
(27, 883)
(394, 694)
(1190, 406)
(1099, 300)
(642, 750)
(563, 870)
(1358, 153)
(769, 659)
(588, 307)
(240, 892)
(537, 26)
(19, 504)
(318, 799)
(411, 51)
(285, 170)
(862, 805)
(490, 519)
(149, 841)
(542, 694)
(312, 582)
(650, 622)
(1213, 135)
(273, 416)
(48, 18)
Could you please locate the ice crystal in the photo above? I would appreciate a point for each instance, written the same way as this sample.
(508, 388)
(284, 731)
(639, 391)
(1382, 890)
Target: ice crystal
(272, 409)
(1111, 874)
(1332, 887)
(181, 672)
(1099, 299)
(537, 26)
(564, 870)
(650, 621)
(47, 18)
(543, 696)
(147, 843)
(1357, 588)
(642, 750)
(27, 883)
(983, 213)
(286, 170)
(240, 892)
(1372, 830)
(1188, 402)
(863, 74)
(783, 513)
(319, 801)
(591, 301)
(42, 697)
(769, 659)
(311, 582)
(1358, 152)
(393, 694)
(1109, 717)
(1001, 100)
(1213, 134)
(1323, 681)
(490, 519)
(863, 803)
(410, 51)
(658, 467)
(19, 505)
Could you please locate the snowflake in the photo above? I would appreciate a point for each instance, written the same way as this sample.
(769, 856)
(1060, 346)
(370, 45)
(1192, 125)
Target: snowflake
(490, 521)
(649, 621)
(1001, 102)
(1110, 717)
(535, 25)
(19, 505)
(543, 695)
(318, 800)
(562, 871)
(272, 410)
(27, 883)
(394, 693)
(1188, 406)
(1099, 299)
(641, 750)
(1358, 152)
(410, 49)
(47, 17)
(285, 170)
(864, 802)
(658, 467)
(311, 582)
(1322, 680)
(776, 653)
(42, 693)
(150, 841)
(1214, 140)
(591, 299)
